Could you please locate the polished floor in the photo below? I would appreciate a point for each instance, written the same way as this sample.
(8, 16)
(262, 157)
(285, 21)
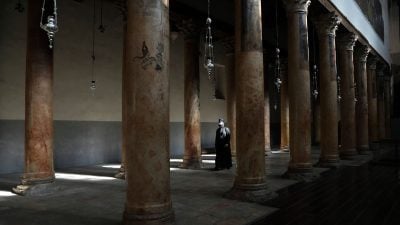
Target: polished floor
(90, 195)
(363, 195)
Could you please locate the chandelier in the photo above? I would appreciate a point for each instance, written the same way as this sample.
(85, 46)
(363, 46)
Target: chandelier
(278, 81)
(339, 97)
(315, 82)
(209, 48)
(51, 26)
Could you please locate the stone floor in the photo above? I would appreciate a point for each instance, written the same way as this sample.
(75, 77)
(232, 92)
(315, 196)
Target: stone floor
(90, 195)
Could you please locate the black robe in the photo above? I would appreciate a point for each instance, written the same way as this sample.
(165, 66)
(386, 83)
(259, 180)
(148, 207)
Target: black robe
(223, 159)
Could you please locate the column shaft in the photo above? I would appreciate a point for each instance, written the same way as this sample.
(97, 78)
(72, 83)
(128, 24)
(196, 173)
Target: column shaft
(299, 87)
(284, 145)
(231, 99)
(381, 107)
(192, 153)
(38, 102)
(360, 72)
(326, 28)
(267, 132)
(346, 71)
(372, 103)
(387, 107)
(148, 199)
(125, 84)
(250, 184)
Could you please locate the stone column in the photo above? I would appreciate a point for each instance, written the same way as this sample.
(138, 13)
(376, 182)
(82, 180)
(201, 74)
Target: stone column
(346, 71)
(148, 199)
(284, 145)
(192, 152)
(125, 83)
(381, 104)
(229, 45)
(326, 28)
(299, 89)
(387, 107)
(267, 132)
(39, 170)
(360, 73)
(250, 179)
(372, 104)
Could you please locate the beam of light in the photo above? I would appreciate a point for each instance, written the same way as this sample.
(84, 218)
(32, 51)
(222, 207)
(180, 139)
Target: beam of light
(208, 161)
(6, 194)
(172, 169)
(83, 177)
(176, 160)
(115, 166)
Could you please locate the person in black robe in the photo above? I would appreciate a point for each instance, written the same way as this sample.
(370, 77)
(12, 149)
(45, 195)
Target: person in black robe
(223, 159)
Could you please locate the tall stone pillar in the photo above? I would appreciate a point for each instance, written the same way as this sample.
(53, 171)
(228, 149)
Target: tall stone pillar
(192, 152)
(148, 199)
(229, 45)
(299, 89)
(39, 170)
(284, 145)
(346, 71)
(125, 83)
(387, 100)
(326, 28)
(372, 104)
(360, 73)
(267, 131)
(381, 104)
(250, 180)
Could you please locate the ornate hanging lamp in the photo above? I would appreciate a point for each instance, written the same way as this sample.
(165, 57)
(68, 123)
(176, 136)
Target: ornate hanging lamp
(278, 80)
(51, 26)
(209, 47)
(314, 72)
(19, 7)
(93, 57)
(339, 97)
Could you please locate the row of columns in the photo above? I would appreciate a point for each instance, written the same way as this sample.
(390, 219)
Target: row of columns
(146, 104)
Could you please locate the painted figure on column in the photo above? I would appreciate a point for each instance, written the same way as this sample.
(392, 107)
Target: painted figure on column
(223, 159)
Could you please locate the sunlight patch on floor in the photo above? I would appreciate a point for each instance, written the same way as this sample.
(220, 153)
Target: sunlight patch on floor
(83, 177)
(6, 194)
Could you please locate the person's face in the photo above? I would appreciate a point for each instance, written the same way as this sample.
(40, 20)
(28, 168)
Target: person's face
(221, 124)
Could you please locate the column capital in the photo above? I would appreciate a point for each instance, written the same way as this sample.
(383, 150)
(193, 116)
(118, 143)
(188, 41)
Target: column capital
(361, 53)
(297, 6)
(347, 41)
(371, 63)
(188, 28)
(327, 24)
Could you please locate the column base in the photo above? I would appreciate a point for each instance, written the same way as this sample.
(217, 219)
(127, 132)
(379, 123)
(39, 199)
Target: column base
(191, 164)
(348, 153)
(374, 146)
(331, 161)
(121, 173)
(303, 174)
(166, 218)
(35, 189)
(284, 149)
(258, 193)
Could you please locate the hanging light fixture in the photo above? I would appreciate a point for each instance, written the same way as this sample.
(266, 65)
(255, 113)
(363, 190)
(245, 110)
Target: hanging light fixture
(51, 26)
(315, 82)
(209, 48)
(93, 81)
(355, 92)
(315, 71)
(19, 7)
(339, 97)
(278, 80)
(101, 27)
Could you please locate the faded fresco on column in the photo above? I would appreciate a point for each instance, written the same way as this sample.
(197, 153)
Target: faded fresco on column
(372, 9)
